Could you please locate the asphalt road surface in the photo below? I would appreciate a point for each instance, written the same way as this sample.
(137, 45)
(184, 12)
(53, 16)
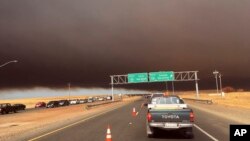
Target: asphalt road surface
(124, 127)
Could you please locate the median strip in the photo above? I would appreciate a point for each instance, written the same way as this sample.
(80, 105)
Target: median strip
(103, 103)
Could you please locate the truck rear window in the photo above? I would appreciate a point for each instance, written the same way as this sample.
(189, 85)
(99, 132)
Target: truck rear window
(167, 100)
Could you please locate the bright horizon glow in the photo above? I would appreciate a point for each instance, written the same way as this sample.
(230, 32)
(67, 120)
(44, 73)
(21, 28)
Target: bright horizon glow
(47, 92)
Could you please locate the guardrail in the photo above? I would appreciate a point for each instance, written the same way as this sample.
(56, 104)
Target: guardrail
(200, 100)
(98, 104)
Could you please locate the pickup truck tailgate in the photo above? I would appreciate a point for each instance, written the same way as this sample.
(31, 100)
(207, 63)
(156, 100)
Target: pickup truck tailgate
(170, 115)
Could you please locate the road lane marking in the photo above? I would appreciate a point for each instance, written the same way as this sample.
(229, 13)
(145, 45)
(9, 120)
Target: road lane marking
(142, 105)
(70, 125)
(206, 133)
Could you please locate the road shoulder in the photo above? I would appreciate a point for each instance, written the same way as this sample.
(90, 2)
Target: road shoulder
(239, 115)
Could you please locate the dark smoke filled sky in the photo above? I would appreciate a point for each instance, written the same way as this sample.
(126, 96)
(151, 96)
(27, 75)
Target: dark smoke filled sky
(85, 41)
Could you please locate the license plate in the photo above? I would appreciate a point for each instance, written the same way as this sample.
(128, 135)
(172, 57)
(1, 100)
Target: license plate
(171, 125)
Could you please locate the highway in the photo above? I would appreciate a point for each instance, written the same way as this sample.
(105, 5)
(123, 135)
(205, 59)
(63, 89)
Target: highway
(27, 110)
(124, 127)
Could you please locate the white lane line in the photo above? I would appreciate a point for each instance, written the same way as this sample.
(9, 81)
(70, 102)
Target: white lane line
(49, 133)
(206, 133)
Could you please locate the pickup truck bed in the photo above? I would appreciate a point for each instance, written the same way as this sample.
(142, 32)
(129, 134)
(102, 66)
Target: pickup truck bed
(181, 117)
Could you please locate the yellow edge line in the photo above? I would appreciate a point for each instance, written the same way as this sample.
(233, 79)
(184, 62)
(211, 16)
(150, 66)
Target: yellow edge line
(49, 133)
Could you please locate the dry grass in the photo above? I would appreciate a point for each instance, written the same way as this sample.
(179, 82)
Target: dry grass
(235, 99)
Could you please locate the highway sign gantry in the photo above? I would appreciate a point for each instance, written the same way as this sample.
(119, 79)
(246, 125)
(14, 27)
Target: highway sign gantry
(137, 77)
(161, 76)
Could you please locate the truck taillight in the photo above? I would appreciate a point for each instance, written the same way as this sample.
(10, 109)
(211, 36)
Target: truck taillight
(191, 115)
(149, 117)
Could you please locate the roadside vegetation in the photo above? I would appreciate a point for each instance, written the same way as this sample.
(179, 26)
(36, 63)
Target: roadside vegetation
(232, 98)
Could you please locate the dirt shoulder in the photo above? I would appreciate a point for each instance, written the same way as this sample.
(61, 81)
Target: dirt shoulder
(21, 126)
(239, 115)
(234, 99)
(234, 106)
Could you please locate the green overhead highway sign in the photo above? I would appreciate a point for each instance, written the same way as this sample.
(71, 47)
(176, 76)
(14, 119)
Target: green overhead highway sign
(137, 77)
(161, 76)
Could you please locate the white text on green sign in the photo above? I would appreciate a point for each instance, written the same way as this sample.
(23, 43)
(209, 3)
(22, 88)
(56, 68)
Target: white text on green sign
(137, 77)
(161, 76)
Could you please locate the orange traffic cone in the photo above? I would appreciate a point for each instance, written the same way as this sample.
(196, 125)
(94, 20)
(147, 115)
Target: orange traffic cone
(134, 112)
(108, 136)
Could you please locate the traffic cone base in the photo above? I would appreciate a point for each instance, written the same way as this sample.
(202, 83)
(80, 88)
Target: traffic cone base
(134, 112)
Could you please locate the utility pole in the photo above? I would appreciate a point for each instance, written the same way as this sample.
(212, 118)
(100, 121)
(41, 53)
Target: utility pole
(69, 89)
(216, 73)
(173, 87)
(166, 86)
(112, 88)
(196, 85)
(220, 84)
